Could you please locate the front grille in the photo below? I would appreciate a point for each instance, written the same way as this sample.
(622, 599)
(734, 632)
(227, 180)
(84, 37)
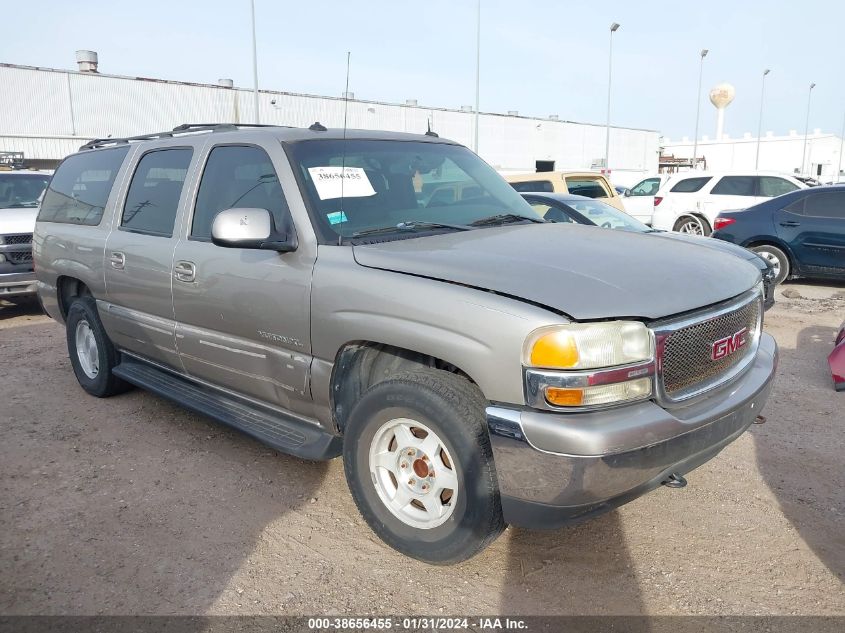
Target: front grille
(25, 238)
(687, 364)
(19, 258)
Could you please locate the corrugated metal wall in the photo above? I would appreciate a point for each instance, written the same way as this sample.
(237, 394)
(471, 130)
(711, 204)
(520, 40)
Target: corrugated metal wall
(49, 113)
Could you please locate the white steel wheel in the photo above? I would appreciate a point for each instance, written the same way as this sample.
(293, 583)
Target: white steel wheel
(413, 473)
(87, 352)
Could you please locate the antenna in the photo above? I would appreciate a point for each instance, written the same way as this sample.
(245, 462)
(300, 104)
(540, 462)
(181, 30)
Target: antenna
(343, 155)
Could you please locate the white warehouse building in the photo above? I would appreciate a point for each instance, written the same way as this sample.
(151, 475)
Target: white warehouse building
(49, 113)
(822, 158)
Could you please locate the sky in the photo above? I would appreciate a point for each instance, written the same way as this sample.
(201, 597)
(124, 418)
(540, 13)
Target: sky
(539, 57)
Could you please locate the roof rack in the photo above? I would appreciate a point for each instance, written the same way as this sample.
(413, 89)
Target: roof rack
(185, 128)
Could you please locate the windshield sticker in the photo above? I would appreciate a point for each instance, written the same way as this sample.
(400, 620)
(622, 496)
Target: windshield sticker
(336, 182)
(336, 217)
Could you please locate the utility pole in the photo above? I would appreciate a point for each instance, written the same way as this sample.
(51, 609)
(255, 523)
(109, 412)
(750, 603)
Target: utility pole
(613, 28)
(806, 129)
(703, 54)
(477, 73)
(254, 64)
(760, 120)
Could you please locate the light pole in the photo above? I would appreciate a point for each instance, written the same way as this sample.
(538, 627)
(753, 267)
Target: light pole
(841, 147)
(613, 28)
(477, 72)
(703, 54)
(254, 63)
(760, 120)
(806, 129)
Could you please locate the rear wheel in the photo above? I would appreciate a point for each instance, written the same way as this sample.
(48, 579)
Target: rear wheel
(92, 354)
(420, 468)
(777, 258)
(693, 225)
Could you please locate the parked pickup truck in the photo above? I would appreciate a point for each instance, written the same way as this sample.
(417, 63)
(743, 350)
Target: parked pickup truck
(19, 194)
(474, 365)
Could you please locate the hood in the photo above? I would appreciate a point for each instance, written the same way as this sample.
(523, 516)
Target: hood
(17, 220)
(719, 245)
(585, 272)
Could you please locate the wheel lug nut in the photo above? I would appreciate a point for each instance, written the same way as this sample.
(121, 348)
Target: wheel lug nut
(412, 482)
(410, 452)
(424, 487)
(403, 465)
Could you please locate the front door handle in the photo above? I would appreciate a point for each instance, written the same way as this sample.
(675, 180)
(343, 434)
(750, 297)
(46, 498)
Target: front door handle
(185, 271)
(117, 260)
(790, 223)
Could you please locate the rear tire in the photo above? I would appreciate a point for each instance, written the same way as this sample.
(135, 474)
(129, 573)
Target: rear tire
(777, 258)
(693, 225)
(92, 354)
(419, 465)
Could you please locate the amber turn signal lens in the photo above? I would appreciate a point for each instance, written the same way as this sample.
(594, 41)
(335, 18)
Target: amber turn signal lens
(564, 397)
(555, 349)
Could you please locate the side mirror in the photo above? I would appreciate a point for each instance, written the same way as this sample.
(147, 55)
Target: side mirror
(626, 193)
(250, 228)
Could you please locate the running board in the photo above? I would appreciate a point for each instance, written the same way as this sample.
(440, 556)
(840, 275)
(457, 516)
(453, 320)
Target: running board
(282, 432)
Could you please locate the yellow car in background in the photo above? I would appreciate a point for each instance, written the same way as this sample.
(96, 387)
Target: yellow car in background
(581, 183)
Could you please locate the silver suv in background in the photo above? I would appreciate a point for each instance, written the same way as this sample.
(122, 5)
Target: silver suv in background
(20, 192)
(474, 365)
(690, 201)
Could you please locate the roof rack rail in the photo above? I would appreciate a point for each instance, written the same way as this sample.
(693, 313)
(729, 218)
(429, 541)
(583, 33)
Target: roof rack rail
(185, 128)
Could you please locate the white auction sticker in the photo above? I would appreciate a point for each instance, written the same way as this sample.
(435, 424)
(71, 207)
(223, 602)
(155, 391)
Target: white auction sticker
(336, 182)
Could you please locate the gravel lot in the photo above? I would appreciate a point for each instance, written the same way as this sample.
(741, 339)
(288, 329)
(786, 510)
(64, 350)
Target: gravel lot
(133, 505)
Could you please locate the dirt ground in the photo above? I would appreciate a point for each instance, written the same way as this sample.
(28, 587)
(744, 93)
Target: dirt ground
(132, 505)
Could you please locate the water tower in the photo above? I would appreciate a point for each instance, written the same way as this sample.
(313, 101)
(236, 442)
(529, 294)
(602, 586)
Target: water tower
(721, 96)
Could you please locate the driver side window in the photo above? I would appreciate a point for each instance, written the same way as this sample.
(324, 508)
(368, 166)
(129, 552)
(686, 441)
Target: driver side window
(647, 187)
(238, 176)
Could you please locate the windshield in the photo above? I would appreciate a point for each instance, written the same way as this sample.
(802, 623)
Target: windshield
(609, 217)
(21, 190)
(400, 185)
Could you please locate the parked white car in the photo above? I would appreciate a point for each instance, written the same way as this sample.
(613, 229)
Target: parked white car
(639, 199)
(690, 201)
(20, 192)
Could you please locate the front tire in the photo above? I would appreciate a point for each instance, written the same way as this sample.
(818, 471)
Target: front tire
(92, 354)
(693, 225)
(420, 468)
(777, 258)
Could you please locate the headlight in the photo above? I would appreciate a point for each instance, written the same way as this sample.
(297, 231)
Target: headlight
(584, 365)
(589, 345)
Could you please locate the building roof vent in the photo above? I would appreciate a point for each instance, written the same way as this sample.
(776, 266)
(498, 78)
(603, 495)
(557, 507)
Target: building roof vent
(513, 112)
(87, 61)
(348, 95)
(554, 117)
(226, 83)
(411, 102)
(466, 108)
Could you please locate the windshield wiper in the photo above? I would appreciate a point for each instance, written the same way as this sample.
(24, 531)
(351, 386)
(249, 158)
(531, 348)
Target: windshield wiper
(411, 226)
(505, 218)
(23, 205)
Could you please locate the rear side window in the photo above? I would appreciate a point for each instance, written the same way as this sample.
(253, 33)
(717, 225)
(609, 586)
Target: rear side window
(690, 185)
(771, 186)
(153, 197)
(586, 187)
(534, 185)
(238, 176)
(734, 186)
(80, 187)
(830, 204)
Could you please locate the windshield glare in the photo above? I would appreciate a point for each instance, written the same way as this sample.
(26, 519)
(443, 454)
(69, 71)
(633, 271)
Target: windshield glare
(607, 216)
(21, 190)
(387, 183)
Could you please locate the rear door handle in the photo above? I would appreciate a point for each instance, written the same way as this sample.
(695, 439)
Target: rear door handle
(117, 260)
(185, 271)
(790, 223)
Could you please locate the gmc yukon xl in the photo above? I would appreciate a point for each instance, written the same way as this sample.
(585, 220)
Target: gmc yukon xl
(474, 365)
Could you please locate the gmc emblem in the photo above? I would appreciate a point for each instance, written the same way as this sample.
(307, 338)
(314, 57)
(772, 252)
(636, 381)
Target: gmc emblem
(728, 345)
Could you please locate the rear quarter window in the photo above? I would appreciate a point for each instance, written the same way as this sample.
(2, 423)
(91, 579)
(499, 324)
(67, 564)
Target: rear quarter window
(690, 185)
(735, 186)
(589, 187)
(81, 186)
(534, 185)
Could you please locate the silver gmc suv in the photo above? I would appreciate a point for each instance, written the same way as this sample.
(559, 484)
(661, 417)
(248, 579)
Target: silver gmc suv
(389, 298)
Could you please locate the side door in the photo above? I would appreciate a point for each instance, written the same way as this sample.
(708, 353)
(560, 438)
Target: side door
(639, 202)
(243, 315)
(814, 228)
(139, 256)
(729, 193)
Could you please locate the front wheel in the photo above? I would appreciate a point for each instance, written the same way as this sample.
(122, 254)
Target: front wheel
(777, 258)
(693, 225)
(420, 468)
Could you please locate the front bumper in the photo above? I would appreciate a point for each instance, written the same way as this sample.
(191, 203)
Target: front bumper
(556, 469)
(17, 284)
